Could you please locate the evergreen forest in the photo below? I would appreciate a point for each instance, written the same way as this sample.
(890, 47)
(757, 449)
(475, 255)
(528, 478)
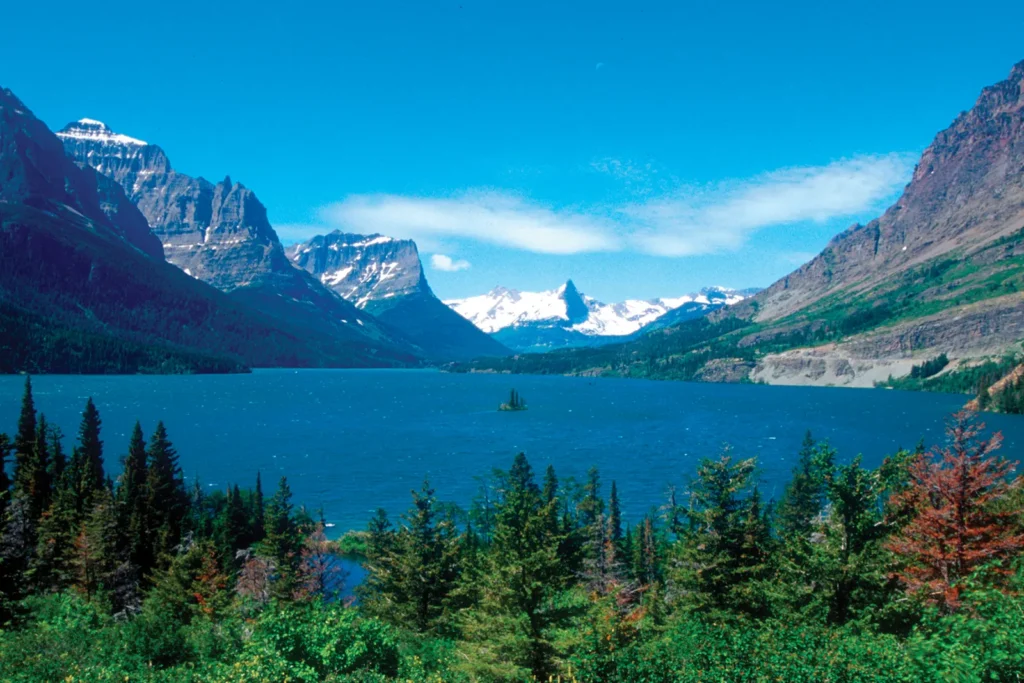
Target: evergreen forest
(112, 568)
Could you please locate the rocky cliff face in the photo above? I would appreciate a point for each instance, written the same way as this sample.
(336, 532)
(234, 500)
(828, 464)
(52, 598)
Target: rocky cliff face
(362, 268)
(384, 276)
(967, 190)
(219, 233)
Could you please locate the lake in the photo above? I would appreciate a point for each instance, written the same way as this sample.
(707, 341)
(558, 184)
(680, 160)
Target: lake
(354, 440)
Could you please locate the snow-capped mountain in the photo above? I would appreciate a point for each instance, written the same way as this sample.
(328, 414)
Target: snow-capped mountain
(532, 321)
(384, 276)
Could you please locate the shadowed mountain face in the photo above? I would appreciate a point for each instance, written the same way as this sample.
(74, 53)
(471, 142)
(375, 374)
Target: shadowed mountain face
(84, 287)
(35, 170)
(219, 233)
(384, 276)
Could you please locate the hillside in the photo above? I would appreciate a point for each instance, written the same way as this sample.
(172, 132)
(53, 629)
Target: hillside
(941, 271)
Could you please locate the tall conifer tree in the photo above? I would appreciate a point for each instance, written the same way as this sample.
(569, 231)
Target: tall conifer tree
(166, 499)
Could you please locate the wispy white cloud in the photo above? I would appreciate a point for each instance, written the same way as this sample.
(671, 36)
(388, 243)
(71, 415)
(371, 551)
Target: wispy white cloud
(448, 264)
(722, 218)
(484, 216)
(679, 223)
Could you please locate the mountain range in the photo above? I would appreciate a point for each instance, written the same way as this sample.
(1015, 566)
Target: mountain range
(113, 261)
(565, 317)
(219, 233)
(84, 286)
(940, 272)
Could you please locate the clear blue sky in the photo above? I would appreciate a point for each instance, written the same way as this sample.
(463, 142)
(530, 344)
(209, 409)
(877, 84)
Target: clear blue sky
(644, 149)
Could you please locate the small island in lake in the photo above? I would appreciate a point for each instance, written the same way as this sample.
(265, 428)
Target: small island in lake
(515, 402)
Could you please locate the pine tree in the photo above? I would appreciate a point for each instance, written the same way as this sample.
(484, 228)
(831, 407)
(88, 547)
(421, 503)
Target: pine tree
(711, 566)
(957, 527)
(90, 454)
(592, 506)
(58, 461)
(805, 493)
(25, 438)
(614, 516)
(258, 512)
(510, 636)
(6, 447)
(166, 500)
(232, 527)
(131, 503)
(283, 542)
(418, 568)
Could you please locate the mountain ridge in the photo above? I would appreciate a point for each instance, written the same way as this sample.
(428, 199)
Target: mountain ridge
(83, 289)
(220, 233)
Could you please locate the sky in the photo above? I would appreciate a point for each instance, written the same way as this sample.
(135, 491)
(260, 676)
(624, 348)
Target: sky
(641, 149)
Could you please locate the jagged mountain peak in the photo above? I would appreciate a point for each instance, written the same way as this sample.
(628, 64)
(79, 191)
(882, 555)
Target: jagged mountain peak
(576, 309)
(98, 132)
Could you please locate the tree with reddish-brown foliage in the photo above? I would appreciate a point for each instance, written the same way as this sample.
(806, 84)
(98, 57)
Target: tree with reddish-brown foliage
(956, 525)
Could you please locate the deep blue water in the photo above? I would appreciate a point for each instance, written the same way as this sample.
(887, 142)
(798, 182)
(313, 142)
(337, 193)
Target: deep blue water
(355, 440)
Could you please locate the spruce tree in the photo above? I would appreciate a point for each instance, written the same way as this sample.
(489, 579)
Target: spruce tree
(90, 454)
(510, 636)
(283, 542)
(805, 493)
(17, 546)
(58, 460)
(614, 516)
(416, 571)
(53, 567)
(96, 548)
(6, 447)
(166, 499)
(592, 506)
(258, 512)
(711, 564)
(25, 438)
(131, 502)
(233, 527)
(966, 517)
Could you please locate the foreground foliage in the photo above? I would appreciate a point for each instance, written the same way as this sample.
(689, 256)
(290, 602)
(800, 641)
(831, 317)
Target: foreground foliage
(908, 572)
